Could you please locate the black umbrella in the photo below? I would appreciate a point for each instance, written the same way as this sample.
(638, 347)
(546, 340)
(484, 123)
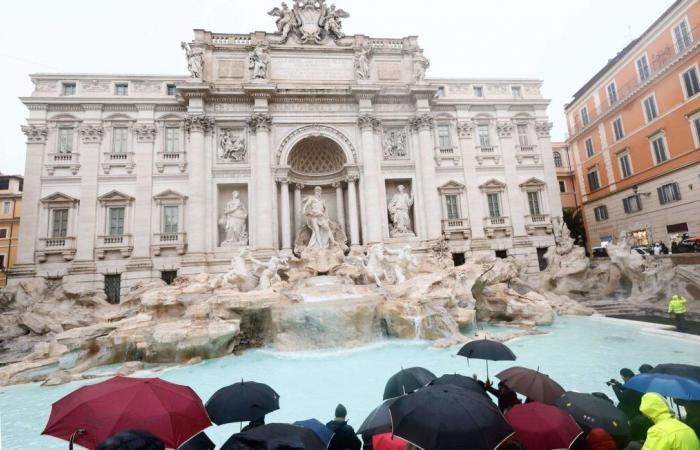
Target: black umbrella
(486, 350)
(680, 370)
(595, 412)
(448, 418)
(378, 421)
(407, 380)
(199, 442)
(275, 436)
(466, 383)
(242, 402)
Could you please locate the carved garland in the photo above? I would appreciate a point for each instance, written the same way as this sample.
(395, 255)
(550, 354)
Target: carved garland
(316, 130)
(504, 129)
(145, 133)
(466, 130)
(543, 129)
(91, 134)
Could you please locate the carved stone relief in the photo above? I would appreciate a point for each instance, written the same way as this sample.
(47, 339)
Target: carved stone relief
(395, 144)
(232, 146)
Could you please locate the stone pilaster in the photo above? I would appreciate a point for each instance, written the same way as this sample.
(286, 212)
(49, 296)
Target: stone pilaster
(196, 125)
(371, 179)
(260, 124)
(353, 212)
(475, 205)
(91, 140)
(143, 233)
(517, 209)
(339, 204)
(550, 170)
(423, 124)
(298, 225)
(36, 148)
(285, 213)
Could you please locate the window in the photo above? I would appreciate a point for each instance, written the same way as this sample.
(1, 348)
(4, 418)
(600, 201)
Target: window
(170, 219)
(681, 34)
(696, 129)
(691, 82)
(120, 139)
(168, 276)
(632, 204)
(478, 91)
(116, 221)
(643, 69)
(444, 136)
(2, 261)
(612, 93)
(452, 203)
(484, 138)
(584, 116)
(658, 145)
(6, 207)
(65, 140)
(590, 151)
(669, 193)
(4, 183)
(522, 135)
(172, 139)
(617, 129)
(557, 159)
(517, 91)
(113, 288)
(68, 88)
(650, 109)
(593, 181)
(601, 213)
(59, 223)
(3, 233)
(171, 89)
(562, 187)
(533, 201)
(121, 89)
(502, 254)
(494, 201)
(625, 165)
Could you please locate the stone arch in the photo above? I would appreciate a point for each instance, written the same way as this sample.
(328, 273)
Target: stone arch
(316, 130)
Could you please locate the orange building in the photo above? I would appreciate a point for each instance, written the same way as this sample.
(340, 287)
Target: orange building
(565, 175)
(10, 210)
(635, 135)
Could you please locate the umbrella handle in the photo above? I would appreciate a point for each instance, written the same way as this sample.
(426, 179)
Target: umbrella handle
(76, 433)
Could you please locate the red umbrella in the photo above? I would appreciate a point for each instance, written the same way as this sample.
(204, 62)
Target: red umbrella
(171, 412)
(532, 384)
(542, 427)
(387, 442)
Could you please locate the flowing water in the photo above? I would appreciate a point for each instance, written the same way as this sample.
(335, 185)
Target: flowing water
(580, 353)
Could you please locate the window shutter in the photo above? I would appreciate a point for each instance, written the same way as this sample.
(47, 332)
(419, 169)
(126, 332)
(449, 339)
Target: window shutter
(662, 197)
(676, 191)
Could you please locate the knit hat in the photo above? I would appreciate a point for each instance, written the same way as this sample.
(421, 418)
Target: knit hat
(340, 411)
(626, 373)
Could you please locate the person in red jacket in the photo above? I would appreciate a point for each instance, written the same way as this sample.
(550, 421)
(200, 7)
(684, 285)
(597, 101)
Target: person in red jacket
(599, 439)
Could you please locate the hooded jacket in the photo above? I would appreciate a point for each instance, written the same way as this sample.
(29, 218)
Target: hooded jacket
(677, 305)
(667, 432)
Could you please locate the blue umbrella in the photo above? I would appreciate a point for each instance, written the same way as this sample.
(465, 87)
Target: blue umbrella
(323, 432)
(667, 385)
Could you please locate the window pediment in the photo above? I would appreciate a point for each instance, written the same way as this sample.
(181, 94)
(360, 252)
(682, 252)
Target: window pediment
(493, 185)
(451, 187)
(170, 197)
(115, 197)
(533, 184)
(59, 199)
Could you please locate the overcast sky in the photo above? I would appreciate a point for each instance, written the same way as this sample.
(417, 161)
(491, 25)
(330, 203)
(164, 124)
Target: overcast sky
(563, 42)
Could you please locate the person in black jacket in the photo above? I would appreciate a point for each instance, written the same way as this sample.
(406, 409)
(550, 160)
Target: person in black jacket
(629, 400)
(344, 437)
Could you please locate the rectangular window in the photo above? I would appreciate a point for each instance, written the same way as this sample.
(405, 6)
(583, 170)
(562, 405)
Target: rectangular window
(691, 82)
(522, 135)
(2, 261)
(113, 288)
(696, 128)
(612, 93)
(494, 201)
(584, 116)
(68, 88)
(121, 89)
(444, 136)
(4, 183)
(643, 69)
(65, 140)
(593, 181)
(562, 187)
(6, 207)
(170, 219)
(590, 151)
(116, 221)
(172, 139)
(171, 89)
(452, 203)
(484, 138)
(650, 109)
(659, 146)
(517, 92)
(681, 35)
(617, 129)
(533, 200)
(59, 223)
(625, 165)
(632, 204)
(478, 91)
(120, 140)
(669, 193)
(3, 233)
(601, 213)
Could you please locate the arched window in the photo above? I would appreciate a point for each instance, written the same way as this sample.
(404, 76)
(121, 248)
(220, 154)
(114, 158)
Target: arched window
(557, 159)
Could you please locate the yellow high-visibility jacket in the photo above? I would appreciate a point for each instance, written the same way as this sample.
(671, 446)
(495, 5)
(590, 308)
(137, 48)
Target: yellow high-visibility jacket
(677, 305)
(667, 433)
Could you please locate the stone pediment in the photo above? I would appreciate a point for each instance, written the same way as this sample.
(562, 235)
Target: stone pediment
(115, 196)
(452, 186)
(493, 185)
(59, 198)
(169, 196)
(533, 183)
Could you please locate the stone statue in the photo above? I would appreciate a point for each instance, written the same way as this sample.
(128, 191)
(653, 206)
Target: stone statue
(404, 264)
(310, 21)
(314, 210)
(286, 20)
(270, 273)
(239, 277)
(420, 66)
(332, 23)
(259, 60)
(195, 60)
(395, 144)
(400, 213)
(362, 63)
(232, 148)
(375, 269)
(234, 222)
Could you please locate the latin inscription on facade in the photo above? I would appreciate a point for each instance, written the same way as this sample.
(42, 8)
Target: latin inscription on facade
(312, 69)
(229, 68)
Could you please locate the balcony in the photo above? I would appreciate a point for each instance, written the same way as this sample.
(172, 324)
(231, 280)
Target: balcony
(177, 241)
(64, 246)
(121, 243)
(493, 225)
(118, 159)
(62, 161)
(486, 148)
(535, 222)
(447, 153)
(453, 228)
(527, 148)
(165, 159)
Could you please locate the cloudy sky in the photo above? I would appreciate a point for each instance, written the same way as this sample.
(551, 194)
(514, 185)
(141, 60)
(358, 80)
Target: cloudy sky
(562, 42)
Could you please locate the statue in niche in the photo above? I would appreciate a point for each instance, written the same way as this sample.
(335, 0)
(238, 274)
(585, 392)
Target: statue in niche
(404, 265)
(395, 144)
(420, 66)
(232, 148)
(234, 222)
(270, 273)
(362, 63)
(314, 210)
(400, 213)
(195, 60)
(259, 60)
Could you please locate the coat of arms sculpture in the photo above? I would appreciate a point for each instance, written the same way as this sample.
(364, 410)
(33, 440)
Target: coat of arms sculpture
(310, 21)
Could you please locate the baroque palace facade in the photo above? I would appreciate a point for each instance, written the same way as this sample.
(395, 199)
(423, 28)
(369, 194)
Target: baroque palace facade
(132, 178)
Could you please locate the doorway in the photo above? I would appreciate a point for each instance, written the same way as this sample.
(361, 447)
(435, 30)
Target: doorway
(113, 287)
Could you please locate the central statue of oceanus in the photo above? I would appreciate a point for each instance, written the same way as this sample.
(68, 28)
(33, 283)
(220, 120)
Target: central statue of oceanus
(310, 21)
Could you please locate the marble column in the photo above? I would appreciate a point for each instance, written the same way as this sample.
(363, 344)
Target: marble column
(371, 179)
(260, 124)
(339, 204)
(424, 125)
(297, 209)
(91, 140)
(145, 139)
(284, 211)
(196, 126)
(36, 143)
(353, 212)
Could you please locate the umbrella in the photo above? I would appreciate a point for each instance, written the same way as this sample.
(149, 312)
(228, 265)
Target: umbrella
(379, 420)
(667, 385)
(275, 436)
(532, 384)
(199, 442)
(487, 350)
(595, 412)
(171, 412)
(542, 427)
(387, 441)
(132, 439)
(242, 402)
(466, 383)
(448, 418)
(681, 370)
(322, 431)
(407, 380)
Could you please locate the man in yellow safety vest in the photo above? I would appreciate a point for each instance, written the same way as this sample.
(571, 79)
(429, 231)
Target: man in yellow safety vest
(677, 307)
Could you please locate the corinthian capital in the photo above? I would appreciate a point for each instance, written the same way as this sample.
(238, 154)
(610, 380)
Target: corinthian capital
(198, 123)
(36, 134)
(368, 121)
(422, 122)
(543, 129)
(145, 133)
(260, 121)
(465, 129)
(91, 134)
(504, 129)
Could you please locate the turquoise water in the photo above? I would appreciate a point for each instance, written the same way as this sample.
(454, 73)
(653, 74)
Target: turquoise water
(580, 353)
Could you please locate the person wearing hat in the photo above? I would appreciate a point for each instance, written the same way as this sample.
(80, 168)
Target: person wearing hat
(677, 308)
(344, 437)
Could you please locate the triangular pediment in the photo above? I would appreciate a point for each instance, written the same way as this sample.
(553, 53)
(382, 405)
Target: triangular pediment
(115, 196)
(169, 194)
(533, 183)
(59, 197)
(493, 184)
(452, 186)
